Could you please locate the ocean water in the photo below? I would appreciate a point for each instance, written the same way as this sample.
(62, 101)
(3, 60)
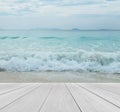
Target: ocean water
(51, 50)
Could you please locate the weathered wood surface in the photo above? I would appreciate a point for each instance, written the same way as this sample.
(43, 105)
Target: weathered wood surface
(60, 97)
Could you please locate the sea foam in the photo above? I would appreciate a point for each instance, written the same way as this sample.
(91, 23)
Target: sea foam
(65, 61)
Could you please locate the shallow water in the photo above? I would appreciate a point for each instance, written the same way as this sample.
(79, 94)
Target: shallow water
(51, 50)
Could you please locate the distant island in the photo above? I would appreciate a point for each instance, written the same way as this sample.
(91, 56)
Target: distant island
(77, 29)
(74, 29)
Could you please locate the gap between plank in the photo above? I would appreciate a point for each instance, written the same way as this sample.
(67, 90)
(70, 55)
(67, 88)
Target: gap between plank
(9, 91)
(19, 98)
(99, 96)
(45, 99)
(73, 98)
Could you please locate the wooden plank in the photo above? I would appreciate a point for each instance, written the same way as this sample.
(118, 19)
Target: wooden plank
(56, 97)
(109, 96)
(7, 99)
(31, 102)
(7, 86)
(90, 102)
(59, 100)
(12, 89)
(111, 87)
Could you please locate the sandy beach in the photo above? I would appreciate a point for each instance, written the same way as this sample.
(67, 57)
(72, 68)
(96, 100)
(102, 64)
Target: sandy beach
(57, 77)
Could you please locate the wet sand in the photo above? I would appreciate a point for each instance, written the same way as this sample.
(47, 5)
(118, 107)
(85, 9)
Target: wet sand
(75, 77)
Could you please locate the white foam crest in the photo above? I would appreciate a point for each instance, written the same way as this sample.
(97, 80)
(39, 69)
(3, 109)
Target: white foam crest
(75, 61)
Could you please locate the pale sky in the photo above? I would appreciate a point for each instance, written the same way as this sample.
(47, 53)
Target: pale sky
(67, 14)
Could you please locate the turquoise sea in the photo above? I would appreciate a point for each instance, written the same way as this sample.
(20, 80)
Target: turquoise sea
(59, 50)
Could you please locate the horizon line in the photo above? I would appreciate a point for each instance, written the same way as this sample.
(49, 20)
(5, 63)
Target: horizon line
(72, 29)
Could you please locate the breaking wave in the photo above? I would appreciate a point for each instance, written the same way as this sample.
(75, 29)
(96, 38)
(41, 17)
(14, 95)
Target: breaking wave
(105, 62)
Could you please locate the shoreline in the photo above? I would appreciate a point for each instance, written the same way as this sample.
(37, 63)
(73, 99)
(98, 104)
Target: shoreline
(47, 77)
